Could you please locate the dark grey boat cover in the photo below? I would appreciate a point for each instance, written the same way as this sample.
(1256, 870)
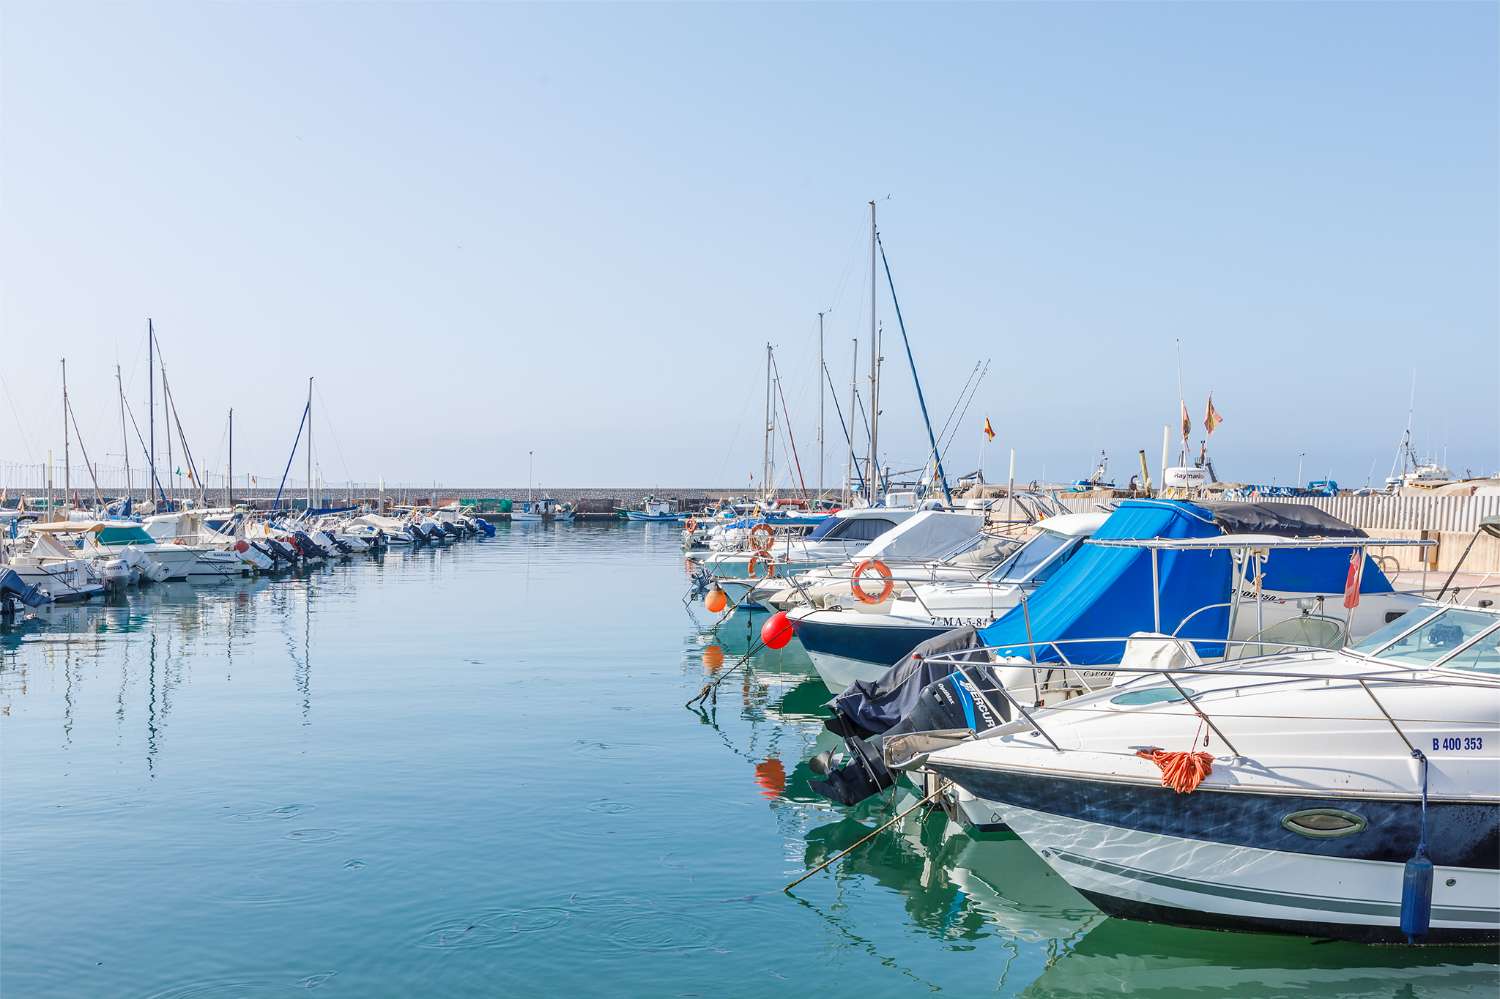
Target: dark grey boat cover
(870, 707)
(13, 586)
(1292, 520)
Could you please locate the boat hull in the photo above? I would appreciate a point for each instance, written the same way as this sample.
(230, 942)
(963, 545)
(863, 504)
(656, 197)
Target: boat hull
(1223, 859)
(859, 649)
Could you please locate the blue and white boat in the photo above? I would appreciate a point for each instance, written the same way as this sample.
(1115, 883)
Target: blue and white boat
(653, 510)
(1351, 793)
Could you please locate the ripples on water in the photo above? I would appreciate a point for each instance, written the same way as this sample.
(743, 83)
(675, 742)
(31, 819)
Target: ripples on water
(468, 772)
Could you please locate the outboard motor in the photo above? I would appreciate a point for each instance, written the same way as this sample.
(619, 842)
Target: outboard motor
(307, 546)
(450, 529)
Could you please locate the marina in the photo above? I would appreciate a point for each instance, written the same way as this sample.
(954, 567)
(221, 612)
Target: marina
(676, 500)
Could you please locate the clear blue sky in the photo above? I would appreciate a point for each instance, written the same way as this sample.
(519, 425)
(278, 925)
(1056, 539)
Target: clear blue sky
(571, 228)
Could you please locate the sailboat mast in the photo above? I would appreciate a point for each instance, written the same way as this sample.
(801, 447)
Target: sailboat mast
(124, 440)
(309, 444)
(66, 435)
(229, 484)
(765, 460)
(853, 400)
(166, 417)
(822, 395)
(151, 401)
(874, 468)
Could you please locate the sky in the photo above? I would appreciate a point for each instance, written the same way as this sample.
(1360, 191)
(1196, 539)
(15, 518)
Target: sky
(493, 229)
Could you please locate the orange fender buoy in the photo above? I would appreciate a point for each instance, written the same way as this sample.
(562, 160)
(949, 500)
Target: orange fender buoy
(882, 570)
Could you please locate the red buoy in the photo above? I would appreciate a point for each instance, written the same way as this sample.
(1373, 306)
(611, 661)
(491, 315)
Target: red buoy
(777, 631)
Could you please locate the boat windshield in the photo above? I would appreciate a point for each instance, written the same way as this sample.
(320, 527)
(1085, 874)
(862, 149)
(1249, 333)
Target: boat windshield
(982, 551)
(821, 531)
(1034, 560)
(1440, 635)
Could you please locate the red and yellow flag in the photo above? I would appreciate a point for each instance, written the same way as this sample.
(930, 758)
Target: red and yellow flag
(1211, 418)
(1187, 421)
(989, 431)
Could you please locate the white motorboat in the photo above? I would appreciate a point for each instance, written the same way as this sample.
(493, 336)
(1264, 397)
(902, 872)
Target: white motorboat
(846, 646)
(835, 540)
(1343, 793)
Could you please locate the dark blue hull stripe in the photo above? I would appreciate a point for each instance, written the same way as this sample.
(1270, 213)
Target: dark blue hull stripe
(872, 644)
(1459, 834)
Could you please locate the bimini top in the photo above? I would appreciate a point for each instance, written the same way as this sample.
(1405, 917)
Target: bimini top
(1288, 520)
(1106, 590)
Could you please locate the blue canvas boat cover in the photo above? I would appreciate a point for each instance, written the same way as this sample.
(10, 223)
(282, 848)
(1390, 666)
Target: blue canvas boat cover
(1106, 592)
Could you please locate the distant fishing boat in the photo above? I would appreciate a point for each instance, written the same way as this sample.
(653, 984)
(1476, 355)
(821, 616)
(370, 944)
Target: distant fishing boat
(654, 510)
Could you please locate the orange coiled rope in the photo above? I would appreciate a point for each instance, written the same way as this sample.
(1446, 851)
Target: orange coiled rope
(1181, 771)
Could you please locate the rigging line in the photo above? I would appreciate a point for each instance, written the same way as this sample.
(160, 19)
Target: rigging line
(836, 407)
(337, 447)
(943, 433)
(965, 413)
(935, 454)
(86, 463)
(144, 450)
(967, 401)
(11, 399)
(181, 437)
(790, 436)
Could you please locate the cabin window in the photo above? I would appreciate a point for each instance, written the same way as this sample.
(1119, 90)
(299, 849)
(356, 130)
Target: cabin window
(862, 529)
(1324, 823)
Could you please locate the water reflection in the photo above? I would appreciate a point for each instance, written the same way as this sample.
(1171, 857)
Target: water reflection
(991, 892)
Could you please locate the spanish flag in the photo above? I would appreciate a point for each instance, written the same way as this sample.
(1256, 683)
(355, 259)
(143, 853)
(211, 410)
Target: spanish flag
(1187, 421)
(1211, 419)
(989, 431)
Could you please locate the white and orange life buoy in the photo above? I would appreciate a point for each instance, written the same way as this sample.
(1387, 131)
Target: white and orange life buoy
(883, 571)
(756, 560)
(691, 525)
(762, 537)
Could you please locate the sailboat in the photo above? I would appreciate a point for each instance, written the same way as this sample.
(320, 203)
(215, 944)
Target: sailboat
(537, 511)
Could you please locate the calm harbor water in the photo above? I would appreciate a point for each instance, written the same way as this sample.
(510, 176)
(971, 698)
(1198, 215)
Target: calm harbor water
(469, 772)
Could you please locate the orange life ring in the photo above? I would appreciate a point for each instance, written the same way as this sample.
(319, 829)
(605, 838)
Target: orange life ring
(762, 537)
(882, 570)
(691, 525)
(756, 560)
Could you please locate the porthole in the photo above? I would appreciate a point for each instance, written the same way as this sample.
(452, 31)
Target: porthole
(1324, 823)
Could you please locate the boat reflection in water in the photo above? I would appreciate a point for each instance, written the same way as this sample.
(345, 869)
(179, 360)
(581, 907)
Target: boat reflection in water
(989, 890)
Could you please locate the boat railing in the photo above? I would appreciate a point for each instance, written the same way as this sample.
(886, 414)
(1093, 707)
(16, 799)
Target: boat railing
(1238, 669)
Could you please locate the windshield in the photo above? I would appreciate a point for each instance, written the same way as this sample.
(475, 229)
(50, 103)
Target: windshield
(1439, 636)
(982, 551)
(828, 524)
(1031, 557)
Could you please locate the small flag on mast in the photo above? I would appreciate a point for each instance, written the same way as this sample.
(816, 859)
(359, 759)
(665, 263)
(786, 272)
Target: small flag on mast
(1211, 418)
(989, 431)
(1187, 421)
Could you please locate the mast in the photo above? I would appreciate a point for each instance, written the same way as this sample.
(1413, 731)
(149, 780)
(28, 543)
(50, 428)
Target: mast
(229, 486)
(821, 396)
(765, 460)
(66, 435)
(530, 476)
(309, 445)
(853, 398)
(151, 401)
(124, 440)
(874, 468)
(166, 417)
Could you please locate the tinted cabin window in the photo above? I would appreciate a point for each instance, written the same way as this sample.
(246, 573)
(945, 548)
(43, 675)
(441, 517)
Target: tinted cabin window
(864, 529)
